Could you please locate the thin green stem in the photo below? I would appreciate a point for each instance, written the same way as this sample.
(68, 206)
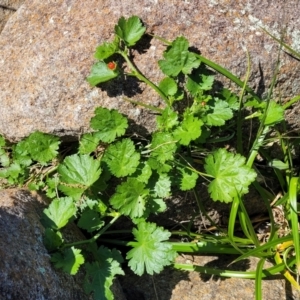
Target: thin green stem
(291, 102)
(265, 249)
(267, 197)
(277, 172)
(237, 274)
(193, 170)
(96, 236)
(203, 248)
(231, 224)
(161, 39)
(256, 145)
(188, 247)
(258, 279)
(263, 128)
(282, 44)
(151, 107)
(246, 223)
(233, 274)
(231, 239)
(239, 117)
(293, 190)
(140, 76)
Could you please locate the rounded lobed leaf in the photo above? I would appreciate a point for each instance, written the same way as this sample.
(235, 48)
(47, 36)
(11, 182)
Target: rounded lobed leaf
(121, 158)
(231, 175)
(101, 73)
(109, 123)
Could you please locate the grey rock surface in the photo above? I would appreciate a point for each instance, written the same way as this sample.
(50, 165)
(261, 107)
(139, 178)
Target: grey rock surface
(25, 269)
(46, 52)
(7, 9)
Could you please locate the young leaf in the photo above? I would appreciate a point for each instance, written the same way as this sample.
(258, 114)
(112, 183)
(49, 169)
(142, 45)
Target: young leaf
(167, 120)
(150, 252)
(101, 73)
(59, 212)
(168, 86)
(4, 158)
(230, 98)
(278, 164)
(158, 166)
(253, 102)
(102, 253)
(130, 31)
(121, 158)
(88, 143)
(35, 186)
(21, 155)
(143, 172)
(70, 260)
(189, 130)
(155, 206)
(221, 113)
(52, 239)
(207, 82)
(52, 184)
(40, 146)
(2, 141)
(163, 146)
(90, 220)
(12, 173)
(78, 173)
(188, 179)
(105, 50)
(275, 114)
(178, 58)
(130, 198)
(231, 175)
(198, 82)
(100, 274)
(162, 186)
(109, 123)
(87, 203)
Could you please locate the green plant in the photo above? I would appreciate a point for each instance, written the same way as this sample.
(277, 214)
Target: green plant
(111, 175)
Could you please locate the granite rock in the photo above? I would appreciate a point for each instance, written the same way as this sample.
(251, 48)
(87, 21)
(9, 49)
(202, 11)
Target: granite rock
(172, 284)
(25, 269)
(46, 52)
(7, 9)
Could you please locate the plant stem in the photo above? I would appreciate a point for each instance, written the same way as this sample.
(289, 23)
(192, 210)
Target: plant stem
(239, 117)
(256, 145)
(203, 247)
(285, 272)
(96, 236)
(229, 273)
(291, 102)
(140, 76)
(190, 247)
(293, 191)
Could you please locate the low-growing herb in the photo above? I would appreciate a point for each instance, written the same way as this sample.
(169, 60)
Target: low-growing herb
(112, 175)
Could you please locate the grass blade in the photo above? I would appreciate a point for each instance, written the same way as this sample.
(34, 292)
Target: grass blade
(227, 74)
(286, 273)
(260, 251)
(234, 274)
(293, 189)
(247, 225)
(258, 279)
(239, 116)
(291, 50)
